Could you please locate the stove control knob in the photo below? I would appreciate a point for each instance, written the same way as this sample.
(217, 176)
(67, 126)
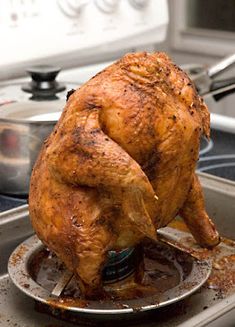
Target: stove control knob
(139, 4)
(72, 8)
(107, 6)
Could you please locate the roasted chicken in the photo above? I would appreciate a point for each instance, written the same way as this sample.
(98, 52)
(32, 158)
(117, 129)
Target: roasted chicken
(120, 164)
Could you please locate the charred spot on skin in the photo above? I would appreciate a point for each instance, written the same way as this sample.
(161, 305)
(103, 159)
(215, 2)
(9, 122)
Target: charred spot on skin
(191, 112)
(69, 93)
(91, 105)
(82, 153)
(90, 143)
(150, 166)
(76, 134)
(105, 223)
(101, 221)
(173, 117)
(95, 131)
(138, 90)
(107, 218)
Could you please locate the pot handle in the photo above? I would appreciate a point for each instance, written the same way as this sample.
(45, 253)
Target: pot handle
(43, 85)
(221, 66)
(220, 84)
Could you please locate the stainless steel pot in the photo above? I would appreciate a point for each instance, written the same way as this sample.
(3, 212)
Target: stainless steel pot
(205, 78)
(26, 119)
(213, 90)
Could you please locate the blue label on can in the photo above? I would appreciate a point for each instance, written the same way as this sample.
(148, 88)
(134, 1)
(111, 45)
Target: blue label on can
(120, 265)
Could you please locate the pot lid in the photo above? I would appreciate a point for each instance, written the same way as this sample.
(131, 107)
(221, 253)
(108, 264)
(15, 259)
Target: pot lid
(40, 100)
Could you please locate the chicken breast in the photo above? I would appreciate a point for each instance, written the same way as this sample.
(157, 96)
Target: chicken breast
(120, 164)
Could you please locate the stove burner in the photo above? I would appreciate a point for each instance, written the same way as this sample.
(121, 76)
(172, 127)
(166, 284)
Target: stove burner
(205, 146)
(219, 165)
(10, 202)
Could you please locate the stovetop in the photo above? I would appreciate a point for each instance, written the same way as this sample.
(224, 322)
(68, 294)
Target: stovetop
(9, 202)
(219, 160)
(217, 157)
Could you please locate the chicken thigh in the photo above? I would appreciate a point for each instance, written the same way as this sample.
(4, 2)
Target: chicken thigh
(120, 164)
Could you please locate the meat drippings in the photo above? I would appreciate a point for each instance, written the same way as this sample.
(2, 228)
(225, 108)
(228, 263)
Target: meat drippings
(222, 277)
(159, 269)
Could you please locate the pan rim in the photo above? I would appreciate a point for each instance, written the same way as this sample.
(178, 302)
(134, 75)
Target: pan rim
(19, 275)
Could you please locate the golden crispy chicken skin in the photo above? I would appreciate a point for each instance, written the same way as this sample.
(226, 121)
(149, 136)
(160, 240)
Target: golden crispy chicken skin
(119, 164)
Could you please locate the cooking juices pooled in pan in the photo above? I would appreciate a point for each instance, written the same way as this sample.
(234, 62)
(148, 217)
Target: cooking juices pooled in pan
(163, 275)
(148, 270)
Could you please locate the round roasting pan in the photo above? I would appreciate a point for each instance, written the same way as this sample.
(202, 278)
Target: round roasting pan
(18, 268)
